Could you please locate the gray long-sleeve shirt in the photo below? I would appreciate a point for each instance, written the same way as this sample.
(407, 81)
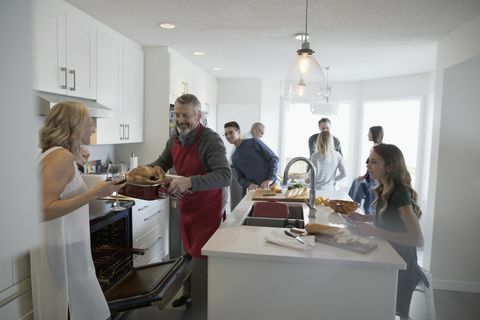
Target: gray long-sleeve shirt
(212, 155)
(312, 143)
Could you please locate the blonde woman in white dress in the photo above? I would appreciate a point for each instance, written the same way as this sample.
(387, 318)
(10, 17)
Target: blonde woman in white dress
(327, 162)
(64, 284)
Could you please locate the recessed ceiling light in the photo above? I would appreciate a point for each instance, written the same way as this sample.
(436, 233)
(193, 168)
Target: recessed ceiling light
(166, 25)
(198, 53)
(300, 36)
(217, 69)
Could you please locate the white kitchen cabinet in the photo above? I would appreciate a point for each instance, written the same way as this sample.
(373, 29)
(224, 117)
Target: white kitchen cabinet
(109, 85)
(64, 50)
(15, 287)
(186, 77)
(120, 87)
(150, 222)
(6, 273)
(133, 93)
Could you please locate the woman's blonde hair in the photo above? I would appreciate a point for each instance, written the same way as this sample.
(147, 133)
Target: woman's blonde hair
(63, 127)
(398, 175)
(325, 143)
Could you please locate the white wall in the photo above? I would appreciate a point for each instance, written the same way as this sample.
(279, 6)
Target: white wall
(239, 91)
(19, 192)
(454, 179)
(263, 93)
(270, 113)
(19, 188)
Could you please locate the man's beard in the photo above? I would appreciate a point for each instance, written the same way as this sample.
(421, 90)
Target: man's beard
(184, 128)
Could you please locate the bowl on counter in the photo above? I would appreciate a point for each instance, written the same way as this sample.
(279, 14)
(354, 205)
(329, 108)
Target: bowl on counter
(343, 206)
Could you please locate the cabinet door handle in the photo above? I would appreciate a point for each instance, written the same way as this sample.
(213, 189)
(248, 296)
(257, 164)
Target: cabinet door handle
(142, 208)
(64, 70)
(127, 126)
(150, 217)
(122, 132)
(74, 80)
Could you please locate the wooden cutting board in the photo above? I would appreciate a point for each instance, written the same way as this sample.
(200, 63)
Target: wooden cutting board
(267, 195)
(364, 248)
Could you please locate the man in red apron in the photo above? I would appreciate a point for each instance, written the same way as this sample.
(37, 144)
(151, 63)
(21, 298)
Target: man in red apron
(198, 155)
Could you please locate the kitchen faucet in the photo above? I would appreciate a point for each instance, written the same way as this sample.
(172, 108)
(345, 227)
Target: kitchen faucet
(311, 201)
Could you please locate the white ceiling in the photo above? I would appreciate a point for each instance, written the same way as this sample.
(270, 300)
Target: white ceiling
(358, 39)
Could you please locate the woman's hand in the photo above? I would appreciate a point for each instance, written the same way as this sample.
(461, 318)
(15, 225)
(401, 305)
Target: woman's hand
(358, 217)
(105, 188)
(363, 229)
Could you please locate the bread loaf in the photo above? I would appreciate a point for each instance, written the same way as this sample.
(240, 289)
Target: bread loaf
(321, 229)
(298, 193)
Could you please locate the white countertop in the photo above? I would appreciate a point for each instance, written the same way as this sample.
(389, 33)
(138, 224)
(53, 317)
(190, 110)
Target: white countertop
(237, 241)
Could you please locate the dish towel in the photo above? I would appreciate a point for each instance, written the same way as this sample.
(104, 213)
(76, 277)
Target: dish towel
(278, 237)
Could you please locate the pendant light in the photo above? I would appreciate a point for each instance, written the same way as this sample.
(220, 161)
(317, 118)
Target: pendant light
(326, 106)
(305, 82)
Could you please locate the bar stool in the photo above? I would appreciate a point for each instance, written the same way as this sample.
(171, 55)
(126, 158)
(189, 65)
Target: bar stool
(428, 291)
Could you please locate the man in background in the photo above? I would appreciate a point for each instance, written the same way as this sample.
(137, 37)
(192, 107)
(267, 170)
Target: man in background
(323, 125)
(257, 131)
(254, 163)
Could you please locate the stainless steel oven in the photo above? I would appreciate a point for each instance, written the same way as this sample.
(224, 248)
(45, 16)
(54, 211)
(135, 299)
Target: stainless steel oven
(127, 287)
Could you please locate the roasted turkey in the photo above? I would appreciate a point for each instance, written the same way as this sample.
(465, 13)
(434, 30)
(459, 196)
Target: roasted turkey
(146, 175)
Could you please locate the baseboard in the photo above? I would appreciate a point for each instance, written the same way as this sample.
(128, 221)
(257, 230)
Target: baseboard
(456, 285)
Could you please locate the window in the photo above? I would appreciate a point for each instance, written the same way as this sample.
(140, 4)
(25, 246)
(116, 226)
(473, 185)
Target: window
(400, 121)
(300, 124)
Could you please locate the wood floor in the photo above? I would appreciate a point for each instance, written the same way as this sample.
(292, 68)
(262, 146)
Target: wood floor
(449, 305)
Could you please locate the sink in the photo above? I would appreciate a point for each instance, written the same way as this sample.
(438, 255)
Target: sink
(294, 218)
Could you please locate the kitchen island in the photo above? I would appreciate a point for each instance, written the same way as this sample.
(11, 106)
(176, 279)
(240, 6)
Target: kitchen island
(249, 278)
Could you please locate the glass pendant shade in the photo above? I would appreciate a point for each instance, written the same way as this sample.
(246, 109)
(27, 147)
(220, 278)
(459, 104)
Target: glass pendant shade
(325, 107)
(305, 82)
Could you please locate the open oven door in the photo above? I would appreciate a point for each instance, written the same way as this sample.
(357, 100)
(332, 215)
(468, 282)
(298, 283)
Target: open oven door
(154, 284)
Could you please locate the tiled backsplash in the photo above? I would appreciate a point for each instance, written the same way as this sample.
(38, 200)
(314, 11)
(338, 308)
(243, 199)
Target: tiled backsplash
(102, 152)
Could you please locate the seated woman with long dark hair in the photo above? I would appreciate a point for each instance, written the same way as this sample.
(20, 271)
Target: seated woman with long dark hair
(396, 217)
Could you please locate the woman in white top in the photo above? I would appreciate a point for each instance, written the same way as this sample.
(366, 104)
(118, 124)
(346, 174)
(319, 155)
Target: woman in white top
(327, 162)
(64, 284)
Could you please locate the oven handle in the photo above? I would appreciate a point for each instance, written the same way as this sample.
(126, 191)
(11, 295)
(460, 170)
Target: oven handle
(150, 217)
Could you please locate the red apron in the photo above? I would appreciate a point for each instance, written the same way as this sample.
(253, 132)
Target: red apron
(201, 211)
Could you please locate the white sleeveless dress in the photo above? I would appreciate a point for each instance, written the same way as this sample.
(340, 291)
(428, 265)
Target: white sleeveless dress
(62, 270)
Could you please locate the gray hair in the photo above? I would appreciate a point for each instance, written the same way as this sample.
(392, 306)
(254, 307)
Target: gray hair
(258, 125)
(190, 98)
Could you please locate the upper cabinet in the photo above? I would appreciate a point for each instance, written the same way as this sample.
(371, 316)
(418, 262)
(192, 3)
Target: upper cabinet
(109, 81)
(64, 50)
(133, 92)
(120, 87)
(186, 77)
(76, 55)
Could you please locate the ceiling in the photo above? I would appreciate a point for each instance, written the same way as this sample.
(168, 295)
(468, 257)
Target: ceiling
(358, 39)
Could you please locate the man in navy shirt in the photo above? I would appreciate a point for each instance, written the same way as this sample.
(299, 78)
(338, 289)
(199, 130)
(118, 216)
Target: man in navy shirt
(255, 164)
